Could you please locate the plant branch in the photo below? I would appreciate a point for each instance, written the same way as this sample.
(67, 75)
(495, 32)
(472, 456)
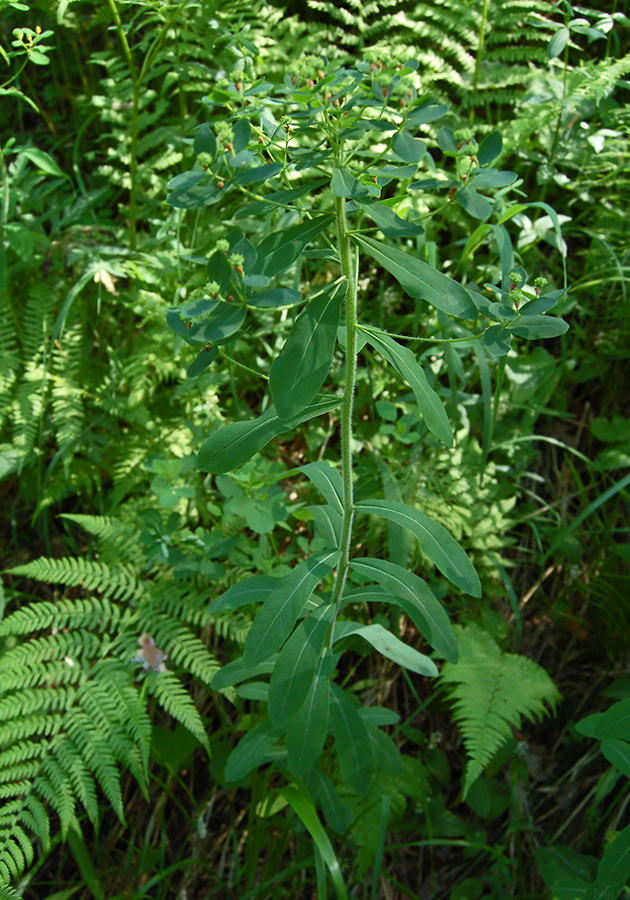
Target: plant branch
(348, 400)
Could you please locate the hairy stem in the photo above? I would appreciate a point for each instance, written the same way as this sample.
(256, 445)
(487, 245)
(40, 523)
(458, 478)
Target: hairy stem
(348, 398)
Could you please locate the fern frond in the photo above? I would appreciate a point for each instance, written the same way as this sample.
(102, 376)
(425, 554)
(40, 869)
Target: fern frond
(118, 541)
(233, 626)
(117, 583)
(492, 691)
(171, 695)
(68, 412)
(80, 613)
(181, 646)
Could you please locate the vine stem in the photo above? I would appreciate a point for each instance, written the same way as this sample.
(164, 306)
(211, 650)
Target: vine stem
(348, 400)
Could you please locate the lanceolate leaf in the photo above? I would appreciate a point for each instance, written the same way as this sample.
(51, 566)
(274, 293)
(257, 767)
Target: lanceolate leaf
(220, 324)
(328, 482)
(338, 814)
(389, 222)
(307, 730)
(421, 280)
(405, 363)
(278, 199)
(302, 366)
(435, 541)
(618, 753)
(540, 327)
(252, 751)
(490, 148)
(236, 671)
(328, 522)
(389, 645)
(280, 611)
(614, 867)
(351, 741)
(297, 664)
(417, 599)
(301, 803)
(614, 723)
(250, 590)
(281, 248)
(232, 445)
(425, 113)
(344, 184)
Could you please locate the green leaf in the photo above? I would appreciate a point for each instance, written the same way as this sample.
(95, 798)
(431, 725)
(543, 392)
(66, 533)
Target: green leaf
(253, 750)
(201, 363)
(297, 664)
(490, 147)
(300, 802)
(236, 671)
(344, 184)
(280, 250)
(351, 742)
(205, 142)
(405, 363)
(242, 134)
(328, 523)
(275, 298)
(307, 730)
(558, 42)
(474, 204)
(389, 222)
(187, 179)
(420, 280)
(614, 867)
(279, 613)
(614, 723)
(220, 324)
(301, 368)
(250, 590)
(389, 645)
(447, 142)
(427, 112)
(540, 327)
(435, 541)
(618, 753)
(491, 178)
(42, 160)
(257, 174)
(232, 445)
(328, 482)
(278, 199)
(497, 340)
(409, 149)
(195, 197)
(339, 816)
(417, 599)
(399, 538)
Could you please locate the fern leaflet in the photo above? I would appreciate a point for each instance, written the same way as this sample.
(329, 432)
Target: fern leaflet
(491, 691)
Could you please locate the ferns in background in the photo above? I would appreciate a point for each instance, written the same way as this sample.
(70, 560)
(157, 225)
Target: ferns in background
(443, 37)
(73, 705)
(491, 691)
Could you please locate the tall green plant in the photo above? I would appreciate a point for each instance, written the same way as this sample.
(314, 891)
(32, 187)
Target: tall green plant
(312, 183)
(328, 158)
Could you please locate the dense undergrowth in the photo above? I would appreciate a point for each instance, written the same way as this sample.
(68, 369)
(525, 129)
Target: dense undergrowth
(186, 190)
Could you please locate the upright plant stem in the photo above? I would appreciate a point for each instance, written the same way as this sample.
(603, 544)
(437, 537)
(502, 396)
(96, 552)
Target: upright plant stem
(135, 81)
(348, 398)
(482, 34)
